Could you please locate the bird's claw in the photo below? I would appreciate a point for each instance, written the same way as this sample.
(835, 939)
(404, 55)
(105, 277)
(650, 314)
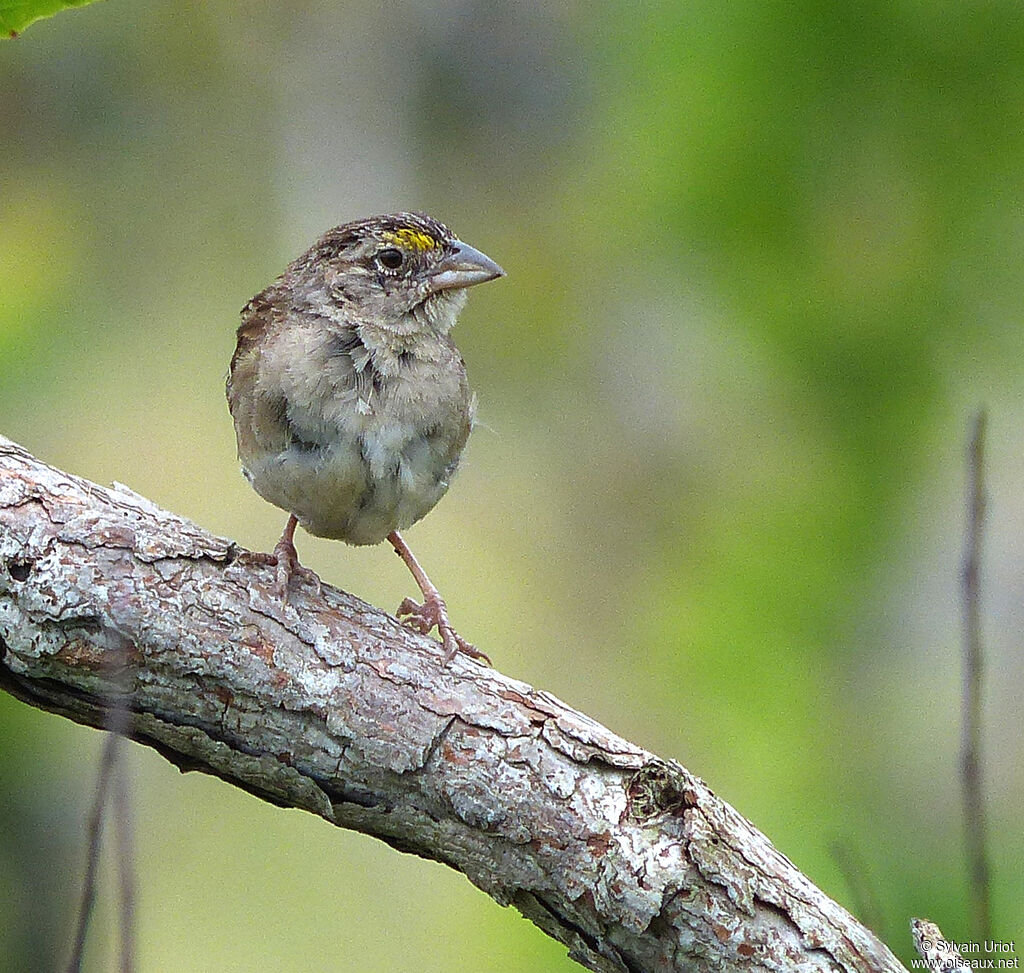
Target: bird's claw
(433, 613)
(296, 570)
(286, 559)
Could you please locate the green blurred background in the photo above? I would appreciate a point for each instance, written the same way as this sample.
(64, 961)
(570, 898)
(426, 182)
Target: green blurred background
(764, 263)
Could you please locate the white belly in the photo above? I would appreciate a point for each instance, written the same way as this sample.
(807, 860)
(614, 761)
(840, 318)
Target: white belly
(360, 488)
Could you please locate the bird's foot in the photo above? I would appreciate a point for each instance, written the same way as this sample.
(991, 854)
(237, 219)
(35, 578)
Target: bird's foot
(433, 613)
(286, 559)
(288, 567)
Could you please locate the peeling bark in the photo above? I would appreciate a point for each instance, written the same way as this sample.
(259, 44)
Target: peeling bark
(329, 704)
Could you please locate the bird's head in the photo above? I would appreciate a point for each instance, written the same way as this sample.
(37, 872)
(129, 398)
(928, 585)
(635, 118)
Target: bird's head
(405, 272)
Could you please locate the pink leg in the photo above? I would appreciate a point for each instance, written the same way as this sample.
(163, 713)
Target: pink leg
(433, 613)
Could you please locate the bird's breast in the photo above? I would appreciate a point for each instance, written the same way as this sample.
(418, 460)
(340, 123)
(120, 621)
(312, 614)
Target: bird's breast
(360, 453)
(385, 458)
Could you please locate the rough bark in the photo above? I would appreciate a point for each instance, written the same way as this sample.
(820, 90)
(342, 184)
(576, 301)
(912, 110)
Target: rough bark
(328, 704)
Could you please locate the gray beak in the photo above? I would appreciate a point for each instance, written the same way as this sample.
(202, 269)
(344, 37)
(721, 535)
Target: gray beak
(464, 267)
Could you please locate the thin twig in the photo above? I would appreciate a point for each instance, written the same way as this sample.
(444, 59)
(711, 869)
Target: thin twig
(117, 724)
(125, 838)
(970, 749)
(95, 831)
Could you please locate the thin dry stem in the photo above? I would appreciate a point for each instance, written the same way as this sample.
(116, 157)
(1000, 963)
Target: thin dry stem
(973, 667)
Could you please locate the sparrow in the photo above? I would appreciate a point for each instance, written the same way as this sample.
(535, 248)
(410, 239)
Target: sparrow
(350, 401)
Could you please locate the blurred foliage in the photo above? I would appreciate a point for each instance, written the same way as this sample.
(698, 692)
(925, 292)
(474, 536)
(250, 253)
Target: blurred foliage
(16, 15)
(764, 262)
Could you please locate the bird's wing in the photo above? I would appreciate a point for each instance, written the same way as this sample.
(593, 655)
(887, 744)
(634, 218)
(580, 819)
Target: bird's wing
(259, 413)
(293, 383)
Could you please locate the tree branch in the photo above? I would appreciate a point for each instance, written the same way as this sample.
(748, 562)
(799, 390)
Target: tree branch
(329, 704)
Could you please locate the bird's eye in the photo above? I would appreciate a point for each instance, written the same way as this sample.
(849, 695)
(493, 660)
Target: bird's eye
(390, 258)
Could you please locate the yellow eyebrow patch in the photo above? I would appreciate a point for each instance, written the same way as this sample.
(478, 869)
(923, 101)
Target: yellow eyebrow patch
(412, 239)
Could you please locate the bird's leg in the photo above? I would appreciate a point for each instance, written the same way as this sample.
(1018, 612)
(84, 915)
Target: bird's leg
(433, 612)
(286, 558)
